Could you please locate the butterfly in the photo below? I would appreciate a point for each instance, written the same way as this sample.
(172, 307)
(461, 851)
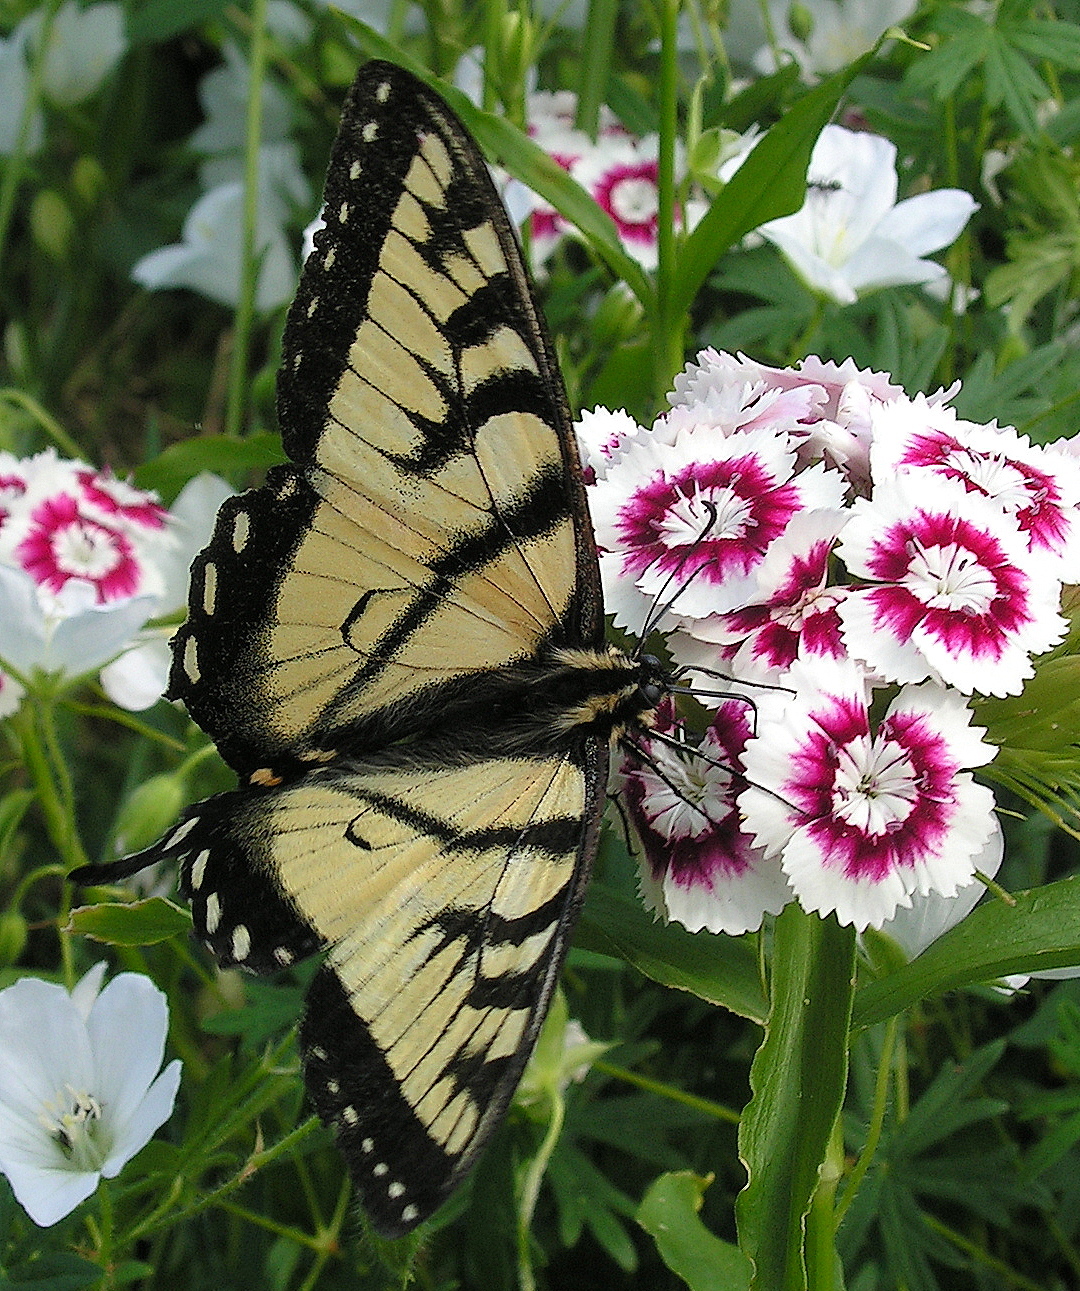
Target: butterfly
(397, 643)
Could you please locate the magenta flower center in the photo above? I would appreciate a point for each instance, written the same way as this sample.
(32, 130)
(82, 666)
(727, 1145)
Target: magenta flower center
(718, 512)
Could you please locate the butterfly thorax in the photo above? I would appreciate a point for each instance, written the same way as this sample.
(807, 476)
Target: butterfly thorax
(604, 691)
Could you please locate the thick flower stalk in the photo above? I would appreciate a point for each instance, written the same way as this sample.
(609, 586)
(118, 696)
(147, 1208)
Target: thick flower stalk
(851, 567)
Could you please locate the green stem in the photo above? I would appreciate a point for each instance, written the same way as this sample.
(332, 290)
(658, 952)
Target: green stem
(675, 1095)
(16, 162)
(978, 1256)
(668, 331)
(250, 256)
(877, 1118)
(51, 427)
(530, 1190)
(822, 1261)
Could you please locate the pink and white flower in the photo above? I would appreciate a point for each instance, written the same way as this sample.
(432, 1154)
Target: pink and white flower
(796, 614)
(695, 517)
(621, 175)
(1037, 487)
(825, 406)
(86, 560)
(699, 867)
(863, 815)
(957, 596)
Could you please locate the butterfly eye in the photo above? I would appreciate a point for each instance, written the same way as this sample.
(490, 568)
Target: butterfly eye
(652, 692)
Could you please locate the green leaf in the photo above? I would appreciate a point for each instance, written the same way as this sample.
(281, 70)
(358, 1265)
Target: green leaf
(50, 1271)
(1042, 930)
(235, 458)
(798, 1079)
(159, 20)
(669, 1214)
(771, 182)
(722, 970)
(139, 923)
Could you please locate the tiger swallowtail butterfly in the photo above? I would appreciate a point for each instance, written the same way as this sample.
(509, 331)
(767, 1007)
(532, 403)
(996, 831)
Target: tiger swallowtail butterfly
(397, 643)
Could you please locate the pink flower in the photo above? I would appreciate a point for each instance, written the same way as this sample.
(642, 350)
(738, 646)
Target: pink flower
(694, 518)
(796, 614)
(101, 490)
(1038, 488)
(959, 598)
(863, 815)
(63, 544)
(700, 869)
(621, 175)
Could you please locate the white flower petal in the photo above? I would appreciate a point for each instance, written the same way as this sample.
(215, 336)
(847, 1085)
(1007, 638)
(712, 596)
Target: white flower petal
(137, 680)
(152, 1111)
(127, 1028)
(47, 1193)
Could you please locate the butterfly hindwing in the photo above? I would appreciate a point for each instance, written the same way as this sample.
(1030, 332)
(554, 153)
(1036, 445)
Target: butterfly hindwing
(444, 531)
(442, 904)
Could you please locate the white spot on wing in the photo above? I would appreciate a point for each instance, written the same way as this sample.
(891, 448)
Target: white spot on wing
(370, 132)
(379, 1170)
(191, 660)
(396, 1190)
(198, 870)
(213, 913)
(241, 531)
(181, 832)
(349, 1115)
(241, 942)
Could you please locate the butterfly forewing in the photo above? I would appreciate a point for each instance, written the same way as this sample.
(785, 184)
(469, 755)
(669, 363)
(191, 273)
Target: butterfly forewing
(443, 532)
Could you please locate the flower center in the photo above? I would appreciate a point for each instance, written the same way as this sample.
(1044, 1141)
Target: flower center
(712, 513)
(875, 786)
(634, 200)
(950, 578)
(85, 551)
(688, 799)
(72, 1119)
(994, 474)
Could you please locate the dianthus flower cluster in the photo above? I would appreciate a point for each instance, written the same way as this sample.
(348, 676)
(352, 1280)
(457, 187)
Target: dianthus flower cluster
(843, 568)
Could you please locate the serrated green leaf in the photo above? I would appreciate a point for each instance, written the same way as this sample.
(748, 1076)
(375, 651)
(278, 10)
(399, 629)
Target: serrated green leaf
(669, 1214)
(1011, 81)
(1057, 42)
(722, 970)
(1042, 930)
(139, 923)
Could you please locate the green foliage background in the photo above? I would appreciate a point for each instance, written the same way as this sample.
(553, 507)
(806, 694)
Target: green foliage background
(956, 1162)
